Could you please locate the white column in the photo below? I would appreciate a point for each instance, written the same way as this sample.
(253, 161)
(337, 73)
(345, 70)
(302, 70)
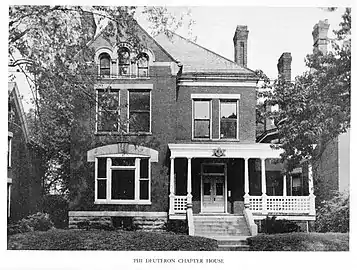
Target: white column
(284, 185)
(9, 203)
(264, 188)
(172, 187)
(311, 190)
(246, 183)
(189, 184)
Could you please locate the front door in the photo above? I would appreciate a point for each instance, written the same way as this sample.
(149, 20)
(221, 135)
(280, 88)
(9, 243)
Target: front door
(213, 188)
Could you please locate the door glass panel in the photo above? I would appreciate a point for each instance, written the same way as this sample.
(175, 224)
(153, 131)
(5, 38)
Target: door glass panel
(213, 168)
(219, 189)
(206, 189)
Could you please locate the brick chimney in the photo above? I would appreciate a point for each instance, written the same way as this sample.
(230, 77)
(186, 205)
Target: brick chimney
(319, 35)
(240, 41)
(284, 66)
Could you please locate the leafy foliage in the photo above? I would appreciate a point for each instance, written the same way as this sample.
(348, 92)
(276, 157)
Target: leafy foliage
(314, 108)
(108, 240)
(57, 208)
(300, 242)
(61, 72)
(35, 222)
(334, 215)
(274, 226)
(177, 226)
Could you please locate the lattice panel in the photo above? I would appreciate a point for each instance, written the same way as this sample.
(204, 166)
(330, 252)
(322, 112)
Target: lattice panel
(180, 204)
(255, 204)
(288, 204)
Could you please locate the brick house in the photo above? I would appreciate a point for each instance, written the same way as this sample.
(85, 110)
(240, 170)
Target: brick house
(205, 166)
(24, 167)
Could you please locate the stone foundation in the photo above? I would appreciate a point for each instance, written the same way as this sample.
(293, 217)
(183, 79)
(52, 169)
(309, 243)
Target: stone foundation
(145, 221)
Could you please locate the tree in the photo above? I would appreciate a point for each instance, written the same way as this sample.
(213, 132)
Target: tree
(61, 72)
(316, 107)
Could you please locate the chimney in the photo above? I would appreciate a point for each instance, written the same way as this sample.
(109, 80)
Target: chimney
(284, 66)
(319, 35)
(240, 41)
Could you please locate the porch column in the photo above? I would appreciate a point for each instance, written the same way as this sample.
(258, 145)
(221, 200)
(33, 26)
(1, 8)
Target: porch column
(284, 185)
(264, 188)
(246, 183)
(189, 184)
(311, 190)
(172, 187)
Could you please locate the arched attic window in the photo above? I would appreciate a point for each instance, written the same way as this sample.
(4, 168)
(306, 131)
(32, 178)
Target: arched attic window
(124, 61)
(104, 64)
(143, 65)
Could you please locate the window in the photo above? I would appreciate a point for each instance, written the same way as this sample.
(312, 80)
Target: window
(104, 64)
(139, 111)
(202, 118)
(108, 110)
(143, 65)
(122, 180)
(228, 119)
(124, 61)
(9, 142)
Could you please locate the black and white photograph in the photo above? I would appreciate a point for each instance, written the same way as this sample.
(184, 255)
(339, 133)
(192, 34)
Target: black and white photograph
(205, 136)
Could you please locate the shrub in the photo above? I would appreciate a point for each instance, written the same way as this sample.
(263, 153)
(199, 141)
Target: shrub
(57, 207)
(177, 226)
(272, 226)
(35, 222)
(334, 215)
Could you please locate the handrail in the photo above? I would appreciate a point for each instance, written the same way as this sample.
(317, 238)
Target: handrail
(253, 228)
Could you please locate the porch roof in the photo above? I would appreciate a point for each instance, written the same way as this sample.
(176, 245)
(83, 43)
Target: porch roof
(235, 150)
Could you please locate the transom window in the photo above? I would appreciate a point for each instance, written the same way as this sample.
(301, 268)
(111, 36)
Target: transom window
(139, 111)
(201, 118)
(104, 64)
(122, 180)
(228, 119)
(108, 117)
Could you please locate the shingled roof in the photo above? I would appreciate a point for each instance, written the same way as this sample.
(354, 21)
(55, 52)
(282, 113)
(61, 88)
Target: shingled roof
(196, 58)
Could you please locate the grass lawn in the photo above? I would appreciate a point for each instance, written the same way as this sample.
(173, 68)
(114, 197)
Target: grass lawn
(107, 240)
(300, 242)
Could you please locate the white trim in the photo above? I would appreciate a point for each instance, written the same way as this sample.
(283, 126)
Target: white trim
(219, 121)
(215, 84)
(116, 214)
(110, 168)
(101, 50)
(9, 180)
(9, 203)
(122, 86)
(215, 96)
(195, 150)
(9, 150)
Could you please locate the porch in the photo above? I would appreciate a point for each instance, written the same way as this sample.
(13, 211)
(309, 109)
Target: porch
(227, 179)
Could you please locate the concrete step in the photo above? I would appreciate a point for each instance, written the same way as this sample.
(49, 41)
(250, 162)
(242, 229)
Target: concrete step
(233, 248)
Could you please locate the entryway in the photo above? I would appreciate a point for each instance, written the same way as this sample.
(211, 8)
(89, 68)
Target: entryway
(213, 188)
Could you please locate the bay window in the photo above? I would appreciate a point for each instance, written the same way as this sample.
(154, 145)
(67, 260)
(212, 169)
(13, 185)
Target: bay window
(122, 180)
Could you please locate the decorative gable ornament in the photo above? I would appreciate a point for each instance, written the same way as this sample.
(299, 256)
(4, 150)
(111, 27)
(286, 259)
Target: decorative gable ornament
(219, 152)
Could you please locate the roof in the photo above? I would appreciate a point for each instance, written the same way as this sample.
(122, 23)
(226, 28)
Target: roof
(13, 90)
(196, 58)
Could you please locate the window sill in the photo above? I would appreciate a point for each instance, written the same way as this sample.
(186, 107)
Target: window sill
(115, 133)
(122, 78)
(122, 202)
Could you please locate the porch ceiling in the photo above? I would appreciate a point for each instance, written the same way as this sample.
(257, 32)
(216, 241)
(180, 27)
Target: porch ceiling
(234, 150)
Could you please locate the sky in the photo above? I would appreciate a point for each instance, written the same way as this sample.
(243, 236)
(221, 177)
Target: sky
(272, 31)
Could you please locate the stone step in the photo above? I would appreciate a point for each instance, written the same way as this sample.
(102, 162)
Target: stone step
(233, 248)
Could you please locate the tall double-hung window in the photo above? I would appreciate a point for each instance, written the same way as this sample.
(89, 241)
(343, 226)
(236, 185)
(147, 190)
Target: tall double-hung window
(202, 119)
(108, 111)
(228, 119)
(139, 104)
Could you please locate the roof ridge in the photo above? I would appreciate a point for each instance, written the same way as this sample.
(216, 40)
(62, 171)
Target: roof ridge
(194, 43)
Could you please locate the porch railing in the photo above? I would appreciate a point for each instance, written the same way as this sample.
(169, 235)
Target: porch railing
(257, 204)
(282, 204)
